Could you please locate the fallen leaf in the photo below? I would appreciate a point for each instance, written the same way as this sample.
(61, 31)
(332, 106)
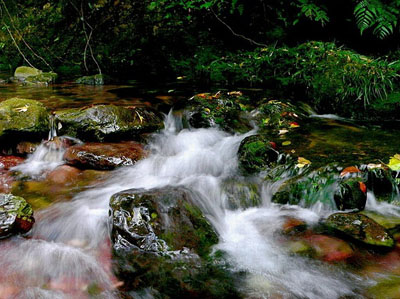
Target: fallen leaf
(374, 166)
(266, 121)
(283, 131)
(350, 169)
(286, 143)
(273, 144)
(294, 124)
(22, 109)
(301, 162)
(363, 187)
(394, 163)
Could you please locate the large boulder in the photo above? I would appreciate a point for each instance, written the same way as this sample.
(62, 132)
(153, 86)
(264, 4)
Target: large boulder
(23, 72)
(107, 122)
(41, 79)
(104, 156)
(361, 228)
(16, 215)
(351, 194)
(23, 119)
(162, 241)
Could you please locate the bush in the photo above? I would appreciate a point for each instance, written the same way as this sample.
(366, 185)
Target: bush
(333, 77)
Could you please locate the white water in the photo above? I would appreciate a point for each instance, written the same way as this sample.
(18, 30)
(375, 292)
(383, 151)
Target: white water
(68, 236)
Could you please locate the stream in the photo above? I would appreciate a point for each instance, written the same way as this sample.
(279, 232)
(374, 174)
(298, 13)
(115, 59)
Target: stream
(68, 252)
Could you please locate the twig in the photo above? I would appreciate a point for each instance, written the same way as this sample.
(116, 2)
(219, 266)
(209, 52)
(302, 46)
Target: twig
(236, 34)
(22, 38)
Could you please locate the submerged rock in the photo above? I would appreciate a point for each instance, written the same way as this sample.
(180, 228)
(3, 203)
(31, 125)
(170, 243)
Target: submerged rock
(107, 122)
(256, 154)
(104, 156)
(162, 241)
(360, 228)
(63, 174)
(22, 118)
(16, 215)
(330, 249)
(98, 79)
(351, 194)
(7, 162)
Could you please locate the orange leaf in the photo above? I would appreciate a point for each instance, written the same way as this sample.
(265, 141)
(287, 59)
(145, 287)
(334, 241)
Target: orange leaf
(363, 187)
(350, 169)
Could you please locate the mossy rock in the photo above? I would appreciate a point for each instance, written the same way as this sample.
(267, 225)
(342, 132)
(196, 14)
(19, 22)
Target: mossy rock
(241, 194)
(161, 240)
(23, 72)
(22, 118)
(221, 109)
(107, 122)
(16, 215)
(256, 154)
(41, 79)
(98, 79)
(387, 287)
(360, 228)
(351, 194)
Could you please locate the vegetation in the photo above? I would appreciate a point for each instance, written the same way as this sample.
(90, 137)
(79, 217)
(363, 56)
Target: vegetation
(228, 42)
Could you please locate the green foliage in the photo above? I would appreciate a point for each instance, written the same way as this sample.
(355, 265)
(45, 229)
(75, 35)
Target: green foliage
(331, 75)
(379, 15)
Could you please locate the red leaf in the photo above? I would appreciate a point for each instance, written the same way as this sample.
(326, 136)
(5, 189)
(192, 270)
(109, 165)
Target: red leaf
(363, 187)
(350, 169)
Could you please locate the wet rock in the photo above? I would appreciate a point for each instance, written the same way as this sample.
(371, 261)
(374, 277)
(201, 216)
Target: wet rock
(241, 194)
(330, 249)
(302, 248)
(380, 180)
(107, 122)
(388, 287)
(256, 154)
(21, 118)
(16, 215)
(220, 109)
(162, 241)
(351, 194)
(104, 156)
(25, 147)
(63, 174)
(7, 162)
(23, 72)
(360, 228)
(42, 79)
(293, 226)
(98, 79)
(6, 181)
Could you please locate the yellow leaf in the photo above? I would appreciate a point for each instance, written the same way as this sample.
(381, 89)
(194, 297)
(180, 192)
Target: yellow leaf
(266, 121)
(286, 143)
(394, 163)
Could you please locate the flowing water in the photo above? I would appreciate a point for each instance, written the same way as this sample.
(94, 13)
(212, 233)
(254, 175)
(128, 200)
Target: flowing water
(68, 252)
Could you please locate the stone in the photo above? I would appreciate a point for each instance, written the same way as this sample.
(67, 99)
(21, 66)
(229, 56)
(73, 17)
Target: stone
(351, 194)
(7, 162)
(256, 154)
(107, 122)
(361, 228)
(63, 174)
(163, 242)
(330, 249)
(98, 79)
(42, 79)
(104, 156)
(22, 118)
(16, 215)
(23, 72)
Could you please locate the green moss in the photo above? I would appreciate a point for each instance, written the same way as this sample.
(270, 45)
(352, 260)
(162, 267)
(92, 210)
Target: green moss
(24, 72)
(41, 79)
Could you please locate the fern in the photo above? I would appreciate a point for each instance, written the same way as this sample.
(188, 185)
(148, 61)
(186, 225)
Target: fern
(373, 14)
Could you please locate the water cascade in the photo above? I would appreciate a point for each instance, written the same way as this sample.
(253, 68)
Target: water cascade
(69, 249)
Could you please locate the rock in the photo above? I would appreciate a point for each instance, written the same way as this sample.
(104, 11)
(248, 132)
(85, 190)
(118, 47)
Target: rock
(22, 118)
(98, 79)
(23, 72)
(301, 248)
(4, 81)
(360, 228)
(104, 156)
(25, 147)
(241, 194)
(256, 154)
(107, 122)
(387, 287)
(220, 109)
(380, 180)
(7, 162)
(162, 241)
(63, 174)
(293, 226)
(16, 215)
(41, 79)
(6, 181)
(330, 249)
(351, 194)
